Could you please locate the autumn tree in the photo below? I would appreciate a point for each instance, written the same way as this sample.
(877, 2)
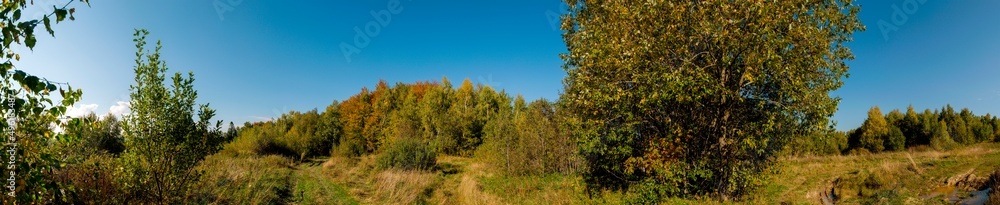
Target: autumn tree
(874, 131)
(698, 96)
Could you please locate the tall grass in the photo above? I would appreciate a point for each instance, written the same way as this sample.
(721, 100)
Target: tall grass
(244, 180)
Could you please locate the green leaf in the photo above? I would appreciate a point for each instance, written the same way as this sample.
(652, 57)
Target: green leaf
(7, 37)
(17, 14)
(40, 86)
(4, 67)
(30, 42)
(19, 75)
(60, 14)
(48, 26)
(30, 81)
(52, 87)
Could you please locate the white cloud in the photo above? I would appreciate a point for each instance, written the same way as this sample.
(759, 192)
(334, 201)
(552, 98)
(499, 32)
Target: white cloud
(81, 110)
(121, 109)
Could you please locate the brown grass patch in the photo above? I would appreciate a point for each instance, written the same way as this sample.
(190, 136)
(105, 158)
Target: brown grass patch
(403, 187)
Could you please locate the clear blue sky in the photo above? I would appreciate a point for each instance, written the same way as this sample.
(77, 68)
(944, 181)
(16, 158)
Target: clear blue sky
(259, 59)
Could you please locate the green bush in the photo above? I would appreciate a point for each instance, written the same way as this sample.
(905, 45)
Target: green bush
(408, 154)
(259, 140)
(350, 147)
(896, 141)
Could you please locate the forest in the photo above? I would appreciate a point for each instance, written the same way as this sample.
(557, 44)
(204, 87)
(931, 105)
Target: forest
(655, 110)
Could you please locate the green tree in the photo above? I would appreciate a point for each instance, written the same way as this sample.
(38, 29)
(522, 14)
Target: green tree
(941, 140)
(996, 128)
(468, 126)
(29, 108)
(302, 136)
(329, 124)
(911, 127)
(700, 96)
(163, 140)
(895, 140)
(874, 131)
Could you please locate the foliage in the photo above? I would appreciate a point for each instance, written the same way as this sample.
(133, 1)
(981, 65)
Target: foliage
(95, 135)
(941, 129)
(700, 96)
(895, 141)
(941, 140)
(162, 139)
(29, 110)
(874, 131)
(823, 142)
(408, 154)
(93, 180)
(529, 139)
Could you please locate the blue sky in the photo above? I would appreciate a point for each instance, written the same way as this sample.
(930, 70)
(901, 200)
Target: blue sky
(256, 59)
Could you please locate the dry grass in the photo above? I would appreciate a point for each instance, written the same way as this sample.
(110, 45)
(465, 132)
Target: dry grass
(888, 178)
(402, 187)
(470, 191)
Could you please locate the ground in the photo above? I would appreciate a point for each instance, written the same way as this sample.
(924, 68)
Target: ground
(910, 177)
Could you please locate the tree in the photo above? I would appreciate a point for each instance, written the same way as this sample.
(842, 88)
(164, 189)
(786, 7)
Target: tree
(437, 124)
(699, 96)
(329, 126)
(468, 133)
(162, 139)
(29, 110)
(895, 140)
(941, 140)
(911, 127)
(874, 131)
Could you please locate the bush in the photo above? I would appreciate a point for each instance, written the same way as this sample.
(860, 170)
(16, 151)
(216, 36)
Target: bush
(259, 140)
(350, 147)
(93, 181)
(896, 141)
(408, 154)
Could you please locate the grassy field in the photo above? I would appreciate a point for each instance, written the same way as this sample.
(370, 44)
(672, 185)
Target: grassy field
(912, 177)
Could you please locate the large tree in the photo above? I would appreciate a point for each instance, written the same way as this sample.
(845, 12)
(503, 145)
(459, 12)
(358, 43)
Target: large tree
(698, 96)
(167, 133)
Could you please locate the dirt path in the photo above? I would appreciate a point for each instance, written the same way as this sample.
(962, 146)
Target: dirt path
(469, 190)
(459, 183)
(314, 185)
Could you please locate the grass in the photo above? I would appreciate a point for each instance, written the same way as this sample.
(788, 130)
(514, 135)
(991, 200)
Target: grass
(315, 185)
(245, 180)
(886, 178)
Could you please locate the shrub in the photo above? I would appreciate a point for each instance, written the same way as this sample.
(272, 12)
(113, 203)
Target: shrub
(896, 141)
(93, 181)
(350, 147)
(408, 154)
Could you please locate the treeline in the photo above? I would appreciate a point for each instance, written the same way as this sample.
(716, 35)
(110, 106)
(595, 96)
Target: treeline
(939, 129)
(470, 120)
